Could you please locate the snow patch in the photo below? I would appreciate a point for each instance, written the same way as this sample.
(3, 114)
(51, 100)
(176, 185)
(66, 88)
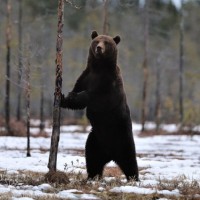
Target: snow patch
(132, 189)
(69, 195)
(160, 157)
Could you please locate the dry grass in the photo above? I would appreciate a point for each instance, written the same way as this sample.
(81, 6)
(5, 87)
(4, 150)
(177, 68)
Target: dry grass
(25, 178)
(57, 177)
(6, 196)
(188, 189)
(153, 132)
(43, 134)
(18, 128)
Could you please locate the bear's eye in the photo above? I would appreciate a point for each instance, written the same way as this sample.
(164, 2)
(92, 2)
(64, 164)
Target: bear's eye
(95, 42)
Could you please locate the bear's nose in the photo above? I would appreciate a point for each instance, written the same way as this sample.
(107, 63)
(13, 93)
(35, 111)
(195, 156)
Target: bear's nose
(98, 49)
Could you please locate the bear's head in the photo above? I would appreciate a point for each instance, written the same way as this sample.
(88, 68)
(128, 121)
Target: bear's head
(104, 46)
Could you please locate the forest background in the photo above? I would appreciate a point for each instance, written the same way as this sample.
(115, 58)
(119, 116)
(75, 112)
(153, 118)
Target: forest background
(125, 18)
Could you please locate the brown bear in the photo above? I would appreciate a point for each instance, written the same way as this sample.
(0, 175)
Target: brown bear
(100, 90)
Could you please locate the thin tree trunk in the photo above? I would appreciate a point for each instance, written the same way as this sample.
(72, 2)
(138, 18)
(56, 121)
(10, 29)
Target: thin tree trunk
(145, 65)
(157, 106)
(20, 62)
(41, 99)
(7, 98)
(181, 109)
(28, 91)
(58, 89)
(41, 103)
(105, 17)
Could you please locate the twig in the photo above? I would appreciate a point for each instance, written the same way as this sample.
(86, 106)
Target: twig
(72, 4)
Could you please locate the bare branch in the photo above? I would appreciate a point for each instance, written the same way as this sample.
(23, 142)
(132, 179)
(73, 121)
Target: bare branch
(72, 4)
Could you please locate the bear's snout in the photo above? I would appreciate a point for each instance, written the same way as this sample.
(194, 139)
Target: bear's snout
(100, 48)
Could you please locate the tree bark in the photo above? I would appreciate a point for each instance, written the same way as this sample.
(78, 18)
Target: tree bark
(145, 65)
(19, 62)
(8, 41)
(158, 103)
(181, 109)
(42, 102)
(105, 17)
(58, 89)
(28, 91)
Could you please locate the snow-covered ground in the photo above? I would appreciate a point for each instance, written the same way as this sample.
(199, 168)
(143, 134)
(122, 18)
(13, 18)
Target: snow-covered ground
(159, 158)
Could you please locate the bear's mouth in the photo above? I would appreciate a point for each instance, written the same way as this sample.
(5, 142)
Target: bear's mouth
(98, 54)
(98, 51)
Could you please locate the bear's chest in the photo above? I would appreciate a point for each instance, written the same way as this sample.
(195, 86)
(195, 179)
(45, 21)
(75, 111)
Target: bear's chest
(100, 82)
(105, 91)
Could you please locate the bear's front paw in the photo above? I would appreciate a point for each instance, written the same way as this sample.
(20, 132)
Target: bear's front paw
(62, 101)
(71, 95)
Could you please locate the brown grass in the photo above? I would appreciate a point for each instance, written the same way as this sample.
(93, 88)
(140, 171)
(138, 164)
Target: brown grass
(18, 128)
(57, 177)
(27, 178)
(2, 121)
(187, 189)
(6, 196)
(148, 133)
(41, 134)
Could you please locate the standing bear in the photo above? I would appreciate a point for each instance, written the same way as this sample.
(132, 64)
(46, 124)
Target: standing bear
(100, 90)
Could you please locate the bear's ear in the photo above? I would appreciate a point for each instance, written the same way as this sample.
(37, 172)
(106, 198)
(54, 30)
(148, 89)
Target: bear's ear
(117, 39)
(94, 34)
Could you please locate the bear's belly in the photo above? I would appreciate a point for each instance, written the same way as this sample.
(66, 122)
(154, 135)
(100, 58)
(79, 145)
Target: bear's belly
(114, 123)
(104, 102)
(112, 129)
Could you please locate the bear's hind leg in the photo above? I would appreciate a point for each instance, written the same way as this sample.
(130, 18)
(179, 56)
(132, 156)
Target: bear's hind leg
(129, 167)
(95, 158)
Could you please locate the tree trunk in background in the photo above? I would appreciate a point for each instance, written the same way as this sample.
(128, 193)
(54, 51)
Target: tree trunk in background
(157, 106)
(145, 65)
(20, 62)
(58, 89)
(42, 109)
(181, 26)
(28, 91)
(105, 17)
(41, 101)
(7, 97)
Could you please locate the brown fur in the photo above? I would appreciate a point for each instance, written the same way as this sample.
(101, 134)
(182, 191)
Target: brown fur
(100, 89)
